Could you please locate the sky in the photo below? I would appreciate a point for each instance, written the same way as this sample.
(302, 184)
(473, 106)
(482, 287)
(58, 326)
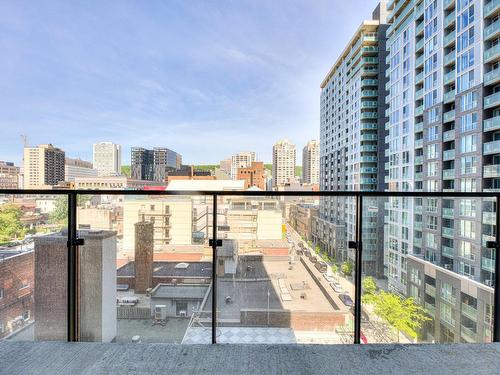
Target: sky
(204, 78)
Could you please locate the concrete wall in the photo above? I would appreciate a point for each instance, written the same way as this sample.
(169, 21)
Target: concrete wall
(298, 320)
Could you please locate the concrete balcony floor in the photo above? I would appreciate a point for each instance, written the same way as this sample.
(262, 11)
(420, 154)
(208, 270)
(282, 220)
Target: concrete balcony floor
(93, 358)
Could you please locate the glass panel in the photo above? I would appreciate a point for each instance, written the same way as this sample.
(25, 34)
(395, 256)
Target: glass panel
(435, 279)
(145, 268)
(33, 267)
(278, 273)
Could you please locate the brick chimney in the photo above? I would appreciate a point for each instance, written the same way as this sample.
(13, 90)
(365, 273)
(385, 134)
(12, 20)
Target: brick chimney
(143, 256)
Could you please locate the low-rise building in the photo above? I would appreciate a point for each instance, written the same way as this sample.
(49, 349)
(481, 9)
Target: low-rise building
(74, 168)
(113, 183)
(253, 175)
(300, 217)
(9, 175)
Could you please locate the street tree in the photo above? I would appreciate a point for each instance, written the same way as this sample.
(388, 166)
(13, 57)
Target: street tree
(10, 223)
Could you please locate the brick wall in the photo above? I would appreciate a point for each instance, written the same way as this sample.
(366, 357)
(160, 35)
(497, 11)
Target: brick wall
(16, 281)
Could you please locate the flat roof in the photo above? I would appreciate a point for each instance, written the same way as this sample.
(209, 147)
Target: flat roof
(194, 269)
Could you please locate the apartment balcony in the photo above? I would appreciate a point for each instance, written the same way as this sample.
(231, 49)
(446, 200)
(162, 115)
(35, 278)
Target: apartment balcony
(492, 100)
(419, 46)
(449, 155)
(449, 39)
(448, 213)
(468, 334)
(368, 159)
(449, 135)
(449, 20)
(369, 115)
(419, 78)
(449, 116)
(369, 82)
(469, 311)
(491, 8)
(488, 264)
(419, 111)
(492, 53)
(419, 143)
(369, 137)
(448, 251)
(448, 4)
(492, 31)
(369, 93)
(417, 242)
(448, 232)
(369, 104)
(419, 29)
(368, 126)
(491, 171)
(419, 94)
(368, 169)
(418, 175)
(449, 96)
(419, 160)
(449, 59)
(431, 309)
(491, 123)
(491, 147)
(449, 77)
(492, 77)
(419, 127)
(419, 61)
(368, 148)
(448, 174)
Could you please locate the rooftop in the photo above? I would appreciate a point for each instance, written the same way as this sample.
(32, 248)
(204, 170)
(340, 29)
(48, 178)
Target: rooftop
(92, 358)
(199, 269)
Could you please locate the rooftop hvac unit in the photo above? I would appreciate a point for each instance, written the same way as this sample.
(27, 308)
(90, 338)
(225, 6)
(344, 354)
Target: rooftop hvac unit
(160, 312)
(488, 282)
(182, 313)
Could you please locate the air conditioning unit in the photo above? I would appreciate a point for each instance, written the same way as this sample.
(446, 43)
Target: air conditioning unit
(488, 282)
(182, 313)
(447, 266)
(160, 312)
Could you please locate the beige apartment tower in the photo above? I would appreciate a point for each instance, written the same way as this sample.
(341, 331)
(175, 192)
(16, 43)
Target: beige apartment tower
(310, 163)
(284, 156)
(43, 166)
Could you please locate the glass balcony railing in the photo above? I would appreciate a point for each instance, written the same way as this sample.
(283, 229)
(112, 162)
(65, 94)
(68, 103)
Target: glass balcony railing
(419, 126)
(448, 174)
(449, 38)
(491, 123)
(449, 155)
(449, 96)
(449, 116)
(449, 135)
(491, 7)
(492, 53)
(449, 77)
(492, 31)
(492, 100)
(449, 20)
(419, 110)
(491, 171)
(493, 76)
(450, 58)
(230, 266)
(491, 147)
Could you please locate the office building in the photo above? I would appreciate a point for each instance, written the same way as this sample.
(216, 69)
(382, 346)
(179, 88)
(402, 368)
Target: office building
(74, 168)
(253, 175)
(284, 159)
(9, 175)
(154, 165)
(107, 158)
(225, 166)
(310, 163)
(352, 144)
(43, 166)
(241, 160)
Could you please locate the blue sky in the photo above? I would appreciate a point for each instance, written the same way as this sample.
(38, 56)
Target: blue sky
(204, 78)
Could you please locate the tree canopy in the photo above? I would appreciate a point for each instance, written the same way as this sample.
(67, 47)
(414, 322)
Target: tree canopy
(11, 227)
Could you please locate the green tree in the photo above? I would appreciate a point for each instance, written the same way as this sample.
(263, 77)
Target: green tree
(347, 268)
(126, 170)
(11, 227)
(335, 268)
(317, 250)
(369, 290)
(60, 214)
(403, 314)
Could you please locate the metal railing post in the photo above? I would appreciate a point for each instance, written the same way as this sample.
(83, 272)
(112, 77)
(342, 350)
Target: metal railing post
(72, 269)
(496, 302)
(214, 270)
(358, 269)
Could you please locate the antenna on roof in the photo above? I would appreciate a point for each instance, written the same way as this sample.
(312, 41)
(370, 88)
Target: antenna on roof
(24, 137)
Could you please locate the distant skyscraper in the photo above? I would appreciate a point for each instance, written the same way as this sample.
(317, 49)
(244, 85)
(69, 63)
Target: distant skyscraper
(284, 156)
(310, 163)
(107, 158)
(78, 168)
(241, 160)
(43, 166)
(153, 165)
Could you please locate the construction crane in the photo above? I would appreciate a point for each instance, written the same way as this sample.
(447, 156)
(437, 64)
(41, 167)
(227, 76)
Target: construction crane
(24, 137)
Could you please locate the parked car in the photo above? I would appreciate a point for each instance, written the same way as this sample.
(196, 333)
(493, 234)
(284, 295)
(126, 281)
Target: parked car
(329, 278)
(346, 299)
(321, 266)
(336, 287)
(313, 259)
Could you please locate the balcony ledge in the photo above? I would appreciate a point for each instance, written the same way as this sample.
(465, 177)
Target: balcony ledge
(94, 358)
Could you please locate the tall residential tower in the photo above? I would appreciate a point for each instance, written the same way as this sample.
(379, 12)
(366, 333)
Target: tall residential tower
(310, 163)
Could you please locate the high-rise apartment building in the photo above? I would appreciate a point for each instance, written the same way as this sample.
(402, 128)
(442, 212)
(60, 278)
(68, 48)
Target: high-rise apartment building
(310, 163)
(74, 168)
(107, 158)
(352, 144)
(43, 166)
(444, 113)
(9, 175)
(153, 165)
(284, 159)
(241, 160)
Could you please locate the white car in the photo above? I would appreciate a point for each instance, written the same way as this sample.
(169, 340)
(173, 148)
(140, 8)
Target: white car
(329, 278)
(336, 287)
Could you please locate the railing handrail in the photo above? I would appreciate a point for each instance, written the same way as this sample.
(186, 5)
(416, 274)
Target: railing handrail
(348, 193)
